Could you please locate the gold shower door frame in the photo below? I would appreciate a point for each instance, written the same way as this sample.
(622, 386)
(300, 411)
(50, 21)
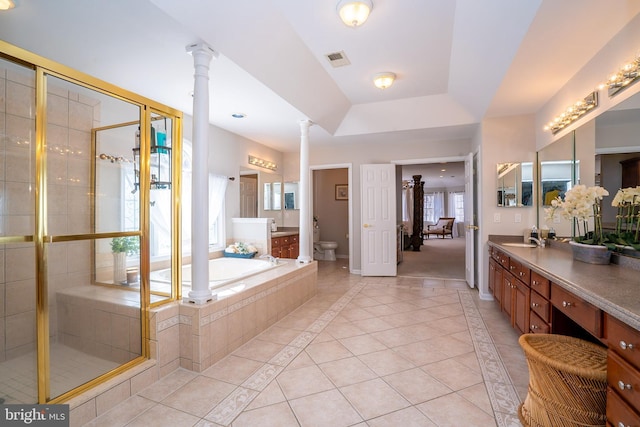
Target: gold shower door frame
(43, 68)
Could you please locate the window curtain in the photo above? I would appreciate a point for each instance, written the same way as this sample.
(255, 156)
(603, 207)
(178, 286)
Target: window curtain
(217, 190)
(438, 205)
(407, 208)
(451, 209)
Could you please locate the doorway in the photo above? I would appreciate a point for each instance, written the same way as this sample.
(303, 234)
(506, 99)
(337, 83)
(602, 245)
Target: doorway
(439, 257)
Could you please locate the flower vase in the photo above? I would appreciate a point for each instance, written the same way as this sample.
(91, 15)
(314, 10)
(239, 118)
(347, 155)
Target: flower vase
(591, 254)
(119, 267)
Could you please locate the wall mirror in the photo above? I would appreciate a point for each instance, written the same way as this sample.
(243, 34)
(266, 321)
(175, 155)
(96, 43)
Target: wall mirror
(261, 194)
(515, 184)
(291, 196)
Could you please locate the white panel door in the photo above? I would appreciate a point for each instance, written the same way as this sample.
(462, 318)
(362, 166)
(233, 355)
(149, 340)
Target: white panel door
(378, 215)
(469, 220)
(248, 197)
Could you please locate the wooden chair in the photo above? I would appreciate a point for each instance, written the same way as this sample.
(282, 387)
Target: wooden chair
(444, 227)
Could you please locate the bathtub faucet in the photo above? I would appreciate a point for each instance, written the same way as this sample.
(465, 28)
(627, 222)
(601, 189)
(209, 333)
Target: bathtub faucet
(271, 258)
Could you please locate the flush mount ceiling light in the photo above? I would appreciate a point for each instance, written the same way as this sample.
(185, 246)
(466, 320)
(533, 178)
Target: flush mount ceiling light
(354, 12)
(238, 115)
(6, 4)
(383, 80)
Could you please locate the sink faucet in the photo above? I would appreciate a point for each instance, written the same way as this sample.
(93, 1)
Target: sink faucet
(273, 260)
(540, 242)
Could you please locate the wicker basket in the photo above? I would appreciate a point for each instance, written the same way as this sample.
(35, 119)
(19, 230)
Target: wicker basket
(567, 382)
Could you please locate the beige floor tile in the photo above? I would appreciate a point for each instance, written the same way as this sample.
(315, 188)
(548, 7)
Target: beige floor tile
(258, 350)
(269, 396)
(382, 310)
(386, 362)
(277, 415)
(299, 323)
(161, 416)
(420, 353)
(343, 329)
(477, 394)
(470, 360)
(168, 384)
(327, 351)
(408, 417)
(453, 374)
(422, 331)
(329, 408)
(393, 337)
(374, 398)
(450, 346)
(417, 386)
(278, 335)
(373, 324)
(300, 361)
(454, 410)
(303, 382)
(323, 337)
(362, 344)
(123, 413)
(347, 371)
(356, 313)
(364, 301)
(232, 369)
(199, 396)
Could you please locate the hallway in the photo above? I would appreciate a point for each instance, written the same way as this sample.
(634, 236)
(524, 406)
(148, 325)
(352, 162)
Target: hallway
(366, 351)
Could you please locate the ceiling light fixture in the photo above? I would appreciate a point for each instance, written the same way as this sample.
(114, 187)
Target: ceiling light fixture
(354, 12)
(238, 115)
(7, 4)
(384, 80)
(628, 73)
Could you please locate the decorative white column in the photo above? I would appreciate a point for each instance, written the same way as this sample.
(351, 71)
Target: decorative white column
(305, 218)
(200, 292)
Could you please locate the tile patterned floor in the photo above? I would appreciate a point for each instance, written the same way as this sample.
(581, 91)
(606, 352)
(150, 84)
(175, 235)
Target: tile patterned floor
(366, 351)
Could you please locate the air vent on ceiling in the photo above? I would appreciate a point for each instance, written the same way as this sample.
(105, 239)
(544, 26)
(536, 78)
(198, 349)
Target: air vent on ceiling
(338, 59)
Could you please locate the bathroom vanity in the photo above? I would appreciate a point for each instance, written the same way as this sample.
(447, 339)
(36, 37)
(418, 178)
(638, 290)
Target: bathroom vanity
(285, 244)
(543, 290)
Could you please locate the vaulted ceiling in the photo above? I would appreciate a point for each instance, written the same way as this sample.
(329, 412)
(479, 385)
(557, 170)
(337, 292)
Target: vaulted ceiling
(457, 61)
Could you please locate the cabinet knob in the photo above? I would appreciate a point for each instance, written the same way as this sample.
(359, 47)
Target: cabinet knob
(567, 304)
(621, 424)
(625, 346)
(535, 305)
(534, 327)
(534, 283)
(624, 386)
(521, 274)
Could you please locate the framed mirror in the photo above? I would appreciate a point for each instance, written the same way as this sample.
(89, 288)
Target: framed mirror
(291, 196)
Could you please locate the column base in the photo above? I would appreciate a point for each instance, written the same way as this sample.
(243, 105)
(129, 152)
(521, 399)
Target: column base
(304, 259)
(194, 298)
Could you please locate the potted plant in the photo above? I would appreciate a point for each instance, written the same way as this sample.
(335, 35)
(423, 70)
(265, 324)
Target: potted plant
(121, 247)
(627, 232)
(583, 204)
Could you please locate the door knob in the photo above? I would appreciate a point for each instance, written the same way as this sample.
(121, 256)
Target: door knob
(472, 227)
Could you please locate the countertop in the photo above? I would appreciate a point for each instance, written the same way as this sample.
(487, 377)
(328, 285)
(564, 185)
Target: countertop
(612, 288)
(285, 231)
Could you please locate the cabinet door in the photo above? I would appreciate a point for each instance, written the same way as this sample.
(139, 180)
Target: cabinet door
(521, 306)
(498, 283)
(507, 293)
(294, 250)
(492, 276)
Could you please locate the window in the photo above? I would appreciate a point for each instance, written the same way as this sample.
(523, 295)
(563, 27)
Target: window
(458, 203)
(429, 208)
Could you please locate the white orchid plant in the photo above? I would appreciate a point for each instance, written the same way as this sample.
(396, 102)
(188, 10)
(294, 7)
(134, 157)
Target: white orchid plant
(627, 233)
(582, 203)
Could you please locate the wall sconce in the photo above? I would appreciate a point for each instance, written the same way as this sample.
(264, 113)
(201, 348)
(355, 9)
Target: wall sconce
(628, 74)
(573, 113)
(354, 12)
(255, 161)
(384, 80)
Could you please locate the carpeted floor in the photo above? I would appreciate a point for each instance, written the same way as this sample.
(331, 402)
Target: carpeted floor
(438, 258)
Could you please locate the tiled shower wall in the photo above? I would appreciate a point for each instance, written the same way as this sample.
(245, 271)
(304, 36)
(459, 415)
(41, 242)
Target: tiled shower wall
(70, 118)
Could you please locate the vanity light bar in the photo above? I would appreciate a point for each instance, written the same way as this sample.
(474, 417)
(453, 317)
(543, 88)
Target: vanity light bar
(255, 161)
(573, 113)
(629, 73)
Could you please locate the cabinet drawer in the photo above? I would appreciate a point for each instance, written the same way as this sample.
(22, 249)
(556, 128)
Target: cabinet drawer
(624, 379)
(540, 284)
(294, 238)
(540, 306)
(519, 271)
(537, 325)
(286, 240)
(276, 242)
(624, 340)
(585, 314)
(619, 414)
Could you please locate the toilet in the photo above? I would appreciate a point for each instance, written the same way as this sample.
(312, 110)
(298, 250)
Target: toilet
(323, 250)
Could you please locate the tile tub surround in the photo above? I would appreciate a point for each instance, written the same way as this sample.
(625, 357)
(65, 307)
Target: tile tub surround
(196, 336)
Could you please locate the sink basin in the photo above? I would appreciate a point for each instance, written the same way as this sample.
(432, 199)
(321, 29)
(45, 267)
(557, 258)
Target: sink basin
(520, 245)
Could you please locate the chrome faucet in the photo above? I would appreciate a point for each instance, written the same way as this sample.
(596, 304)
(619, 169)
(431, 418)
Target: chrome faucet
(540, 242)
(273, 260)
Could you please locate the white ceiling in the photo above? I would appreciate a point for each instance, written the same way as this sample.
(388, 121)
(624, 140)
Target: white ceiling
(457, 61)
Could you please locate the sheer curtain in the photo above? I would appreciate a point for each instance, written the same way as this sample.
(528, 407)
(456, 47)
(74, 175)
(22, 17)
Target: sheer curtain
(451, 209)
(438, 204)
(217, 190)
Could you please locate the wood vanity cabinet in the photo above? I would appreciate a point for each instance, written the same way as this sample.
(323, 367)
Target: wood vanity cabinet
(285, 246)
(585, 314)
(511, 289)
(540, 316)
(623, 373)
